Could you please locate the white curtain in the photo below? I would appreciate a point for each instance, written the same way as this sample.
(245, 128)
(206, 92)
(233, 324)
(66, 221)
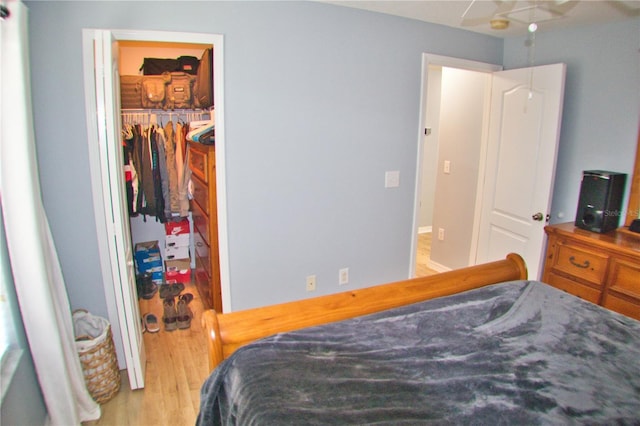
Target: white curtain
(40, 287)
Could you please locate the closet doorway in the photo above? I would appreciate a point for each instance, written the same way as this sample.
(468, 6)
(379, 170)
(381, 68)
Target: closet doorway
(101, 70)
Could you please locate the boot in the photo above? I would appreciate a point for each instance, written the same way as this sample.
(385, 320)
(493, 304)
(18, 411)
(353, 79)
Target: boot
(184, 313)
(170, 317)
(145, 286)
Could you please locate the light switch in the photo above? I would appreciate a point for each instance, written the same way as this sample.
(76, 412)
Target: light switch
(392, 179)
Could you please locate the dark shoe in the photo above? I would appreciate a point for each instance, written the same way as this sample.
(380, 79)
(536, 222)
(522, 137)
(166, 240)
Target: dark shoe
(170, 317)
(170, 290)
(187, 297)
(184, 314)
(151, 323)
(145, 286)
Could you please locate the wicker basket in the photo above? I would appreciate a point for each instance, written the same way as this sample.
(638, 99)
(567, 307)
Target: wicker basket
(98, 358)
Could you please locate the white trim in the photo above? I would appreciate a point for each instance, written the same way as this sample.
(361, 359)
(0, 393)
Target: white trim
(437, 267)
(418, 184)
(465, 64)
(425, 229)
(88, 37)
(482, 170)
(452, 62)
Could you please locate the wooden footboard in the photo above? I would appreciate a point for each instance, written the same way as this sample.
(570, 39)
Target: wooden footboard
(227, 332)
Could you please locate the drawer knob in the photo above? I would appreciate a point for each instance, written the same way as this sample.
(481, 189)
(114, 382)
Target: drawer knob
(583, 265)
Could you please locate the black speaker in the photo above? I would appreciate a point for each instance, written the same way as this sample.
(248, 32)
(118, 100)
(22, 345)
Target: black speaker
(600, 204)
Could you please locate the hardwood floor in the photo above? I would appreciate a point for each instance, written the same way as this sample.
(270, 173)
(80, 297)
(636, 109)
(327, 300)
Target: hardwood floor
(422, 255)
(176, 368)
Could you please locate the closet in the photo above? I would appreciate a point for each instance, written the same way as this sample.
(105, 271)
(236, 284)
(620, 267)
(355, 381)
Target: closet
(171, 118)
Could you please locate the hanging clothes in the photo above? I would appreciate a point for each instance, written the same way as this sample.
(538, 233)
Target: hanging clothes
(183, 170)
(155, 165)
(172, 208)
(147, 183)
(130, 174)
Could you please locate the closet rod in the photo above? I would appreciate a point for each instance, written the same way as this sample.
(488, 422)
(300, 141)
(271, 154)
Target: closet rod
(152, 116)
(162, 112)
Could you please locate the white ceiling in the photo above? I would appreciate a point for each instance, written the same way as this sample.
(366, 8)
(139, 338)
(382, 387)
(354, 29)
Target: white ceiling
(548, 14)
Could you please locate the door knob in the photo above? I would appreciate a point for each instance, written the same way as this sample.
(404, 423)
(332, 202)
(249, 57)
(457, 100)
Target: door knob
(538, 217)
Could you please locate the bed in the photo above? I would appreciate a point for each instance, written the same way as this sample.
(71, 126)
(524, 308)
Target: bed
(478, 345)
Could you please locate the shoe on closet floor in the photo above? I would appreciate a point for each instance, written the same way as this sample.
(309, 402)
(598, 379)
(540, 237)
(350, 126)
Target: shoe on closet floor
(187, 297)
(184, 313)
(170, 317)
(145, 286)
(151, 323)
(170, 290)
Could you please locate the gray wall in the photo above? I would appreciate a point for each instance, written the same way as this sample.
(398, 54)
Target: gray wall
(601, 106)
(321, 100)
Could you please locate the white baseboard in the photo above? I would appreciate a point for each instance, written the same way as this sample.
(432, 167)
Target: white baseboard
(425, 229)
(437, 267)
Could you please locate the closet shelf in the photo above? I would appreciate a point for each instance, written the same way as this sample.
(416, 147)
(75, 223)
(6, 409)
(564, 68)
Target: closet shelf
(166, 111)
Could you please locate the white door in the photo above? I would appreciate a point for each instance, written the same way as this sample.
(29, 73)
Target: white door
(524, 129)
(119, 234)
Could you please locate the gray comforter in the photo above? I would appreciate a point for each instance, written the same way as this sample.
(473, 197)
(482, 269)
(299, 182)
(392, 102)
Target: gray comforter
(515, 353)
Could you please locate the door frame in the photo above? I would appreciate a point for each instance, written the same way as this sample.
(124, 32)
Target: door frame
(102, 211)
(451, 62)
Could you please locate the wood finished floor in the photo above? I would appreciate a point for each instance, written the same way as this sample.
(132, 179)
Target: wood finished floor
(177, 367)
(423, 254)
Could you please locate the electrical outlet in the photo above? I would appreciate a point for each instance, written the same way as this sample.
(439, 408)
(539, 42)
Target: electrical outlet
(392, 179)
(311, 283)
(441, 234)
(447, 166)
(343, 276)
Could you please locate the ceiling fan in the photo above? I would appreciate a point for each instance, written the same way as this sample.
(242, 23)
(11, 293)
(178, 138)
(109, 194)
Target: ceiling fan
(500, 13)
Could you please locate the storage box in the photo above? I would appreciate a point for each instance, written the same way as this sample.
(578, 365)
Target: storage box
(148, 257)
(177, 228)
(178, 271)
(176, 252)
(179, 240)
(177, 233)
(147, 249)
(158, 277)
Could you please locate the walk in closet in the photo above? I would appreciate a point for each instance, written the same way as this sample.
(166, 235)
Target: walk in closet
(171, 192)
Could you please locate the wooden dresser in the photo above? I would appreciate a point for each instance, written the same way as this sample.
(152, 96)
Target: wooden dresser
(202, 162)
(601, 268)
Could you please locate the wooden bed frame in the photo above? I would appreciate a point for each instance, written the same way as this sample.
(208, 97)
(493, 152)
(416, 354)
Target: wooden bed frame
(228, 332)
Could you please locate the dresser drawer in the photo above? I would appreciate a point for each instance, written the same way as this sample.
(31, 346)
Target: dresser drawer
(203, 284)
(200, 222)
(198, 163)
(202, 251)
(623, 306)
(581, 263)
(583, 291)
(625, 278)
(200, 194)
